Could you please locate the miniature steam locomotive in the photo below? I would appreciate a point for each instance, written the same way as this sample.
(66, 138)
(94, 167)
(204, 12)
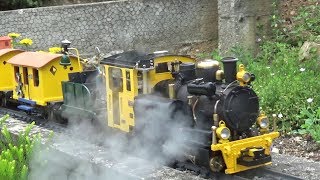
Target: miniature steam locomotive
(217, 108)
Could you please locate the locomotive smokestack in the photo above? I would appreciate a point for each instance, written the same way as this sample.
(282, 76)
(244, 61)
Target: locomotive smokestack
(230, 68)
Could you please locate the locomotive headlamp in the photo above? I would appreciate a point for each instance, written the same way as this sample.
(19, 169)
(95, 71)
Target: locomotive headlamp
(263, 121)
(246, 77)
(222, 131)
(243, 76)
(225, 133)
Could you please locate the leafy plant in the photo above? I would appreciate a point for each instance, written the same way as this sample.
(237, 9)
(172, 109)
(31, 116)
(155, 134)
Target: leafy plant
(19, 4)
(15, 155)
(14, 37)
(213, 55)
(311, 123)
(55, 50)
(302, 27)
(26, 42)
(284, 84)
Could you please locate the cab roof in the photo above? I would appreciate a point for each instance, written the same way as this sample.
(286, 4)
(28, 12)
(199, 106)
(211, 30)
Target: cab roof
(131, 59)
(126, 59)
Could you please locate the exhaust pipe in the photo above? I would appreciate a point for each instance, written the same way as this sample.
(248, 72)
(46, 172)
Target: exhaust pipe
(230, 68)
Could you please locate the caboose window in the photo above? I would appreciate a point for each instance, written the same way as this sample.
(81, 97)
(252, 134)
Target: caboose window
(35, 77)
(25, 76)
(162, 67)
(16, 72)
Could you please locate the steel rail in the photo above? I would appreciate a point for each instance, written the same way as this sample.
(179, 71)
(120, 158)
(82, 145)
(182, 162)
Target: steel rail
(267, 173)
(38, 120)
(262, 173)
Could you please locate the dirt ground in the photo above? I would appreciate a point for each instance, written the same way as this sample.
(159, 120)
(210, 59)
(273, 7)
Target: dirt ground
(298, 146)
(290, 8)
(197, 49)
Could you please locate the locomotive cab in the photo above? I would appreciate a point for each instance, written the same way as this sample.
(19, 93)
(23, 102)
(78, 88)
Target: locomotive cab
(131, 74)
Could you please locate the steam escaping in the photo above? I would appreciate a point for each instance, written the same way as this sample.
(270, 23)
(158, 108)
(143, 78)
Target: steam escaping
(157, 139)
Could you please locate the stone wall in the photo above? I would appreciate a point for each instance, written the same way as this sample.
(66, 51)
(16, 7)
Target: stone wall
(138, 24)
(243, 23)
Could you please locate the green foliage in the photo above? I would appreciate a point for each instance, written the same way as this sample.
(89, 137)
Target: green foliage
(311, 123)
(288, 88)
(25, 43)
(283, 83)
(213, 55)
(304, 26)
(20, 4)
(15, 155)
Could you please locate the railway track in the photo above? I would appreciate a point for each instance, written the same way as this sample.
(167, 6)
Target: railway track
(267, 173)
(262, 173)
(259, 173)
(36, 118)
(20, 115)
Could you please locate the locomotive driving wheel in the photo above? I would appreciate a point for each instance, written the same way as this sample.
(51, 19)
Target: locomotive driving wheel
(216, 163)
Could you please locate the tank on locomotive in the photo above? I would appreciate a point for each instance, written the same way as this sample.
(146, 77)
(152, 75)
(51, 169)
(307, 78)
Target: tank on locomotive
(219, 105)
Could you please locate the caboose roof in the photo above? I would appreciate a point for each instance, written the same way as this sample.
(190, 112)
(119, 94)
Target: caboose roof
(33, 59)
(5, 51)
(5, 38)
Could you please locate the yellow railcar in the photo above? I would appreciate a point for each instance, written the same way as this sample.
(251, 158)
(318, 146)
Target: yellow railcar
(6, 70)
(38, 77)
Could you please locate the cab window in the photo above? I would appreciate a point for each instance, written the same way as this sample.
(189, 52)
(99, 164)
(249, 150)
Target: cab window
(162, 67)
(115, 81)
(128, 80)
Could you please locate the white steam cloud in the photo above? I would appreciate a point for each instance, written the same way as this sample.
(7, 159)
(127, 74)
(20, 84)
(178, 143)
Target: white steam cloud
(156, 140)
